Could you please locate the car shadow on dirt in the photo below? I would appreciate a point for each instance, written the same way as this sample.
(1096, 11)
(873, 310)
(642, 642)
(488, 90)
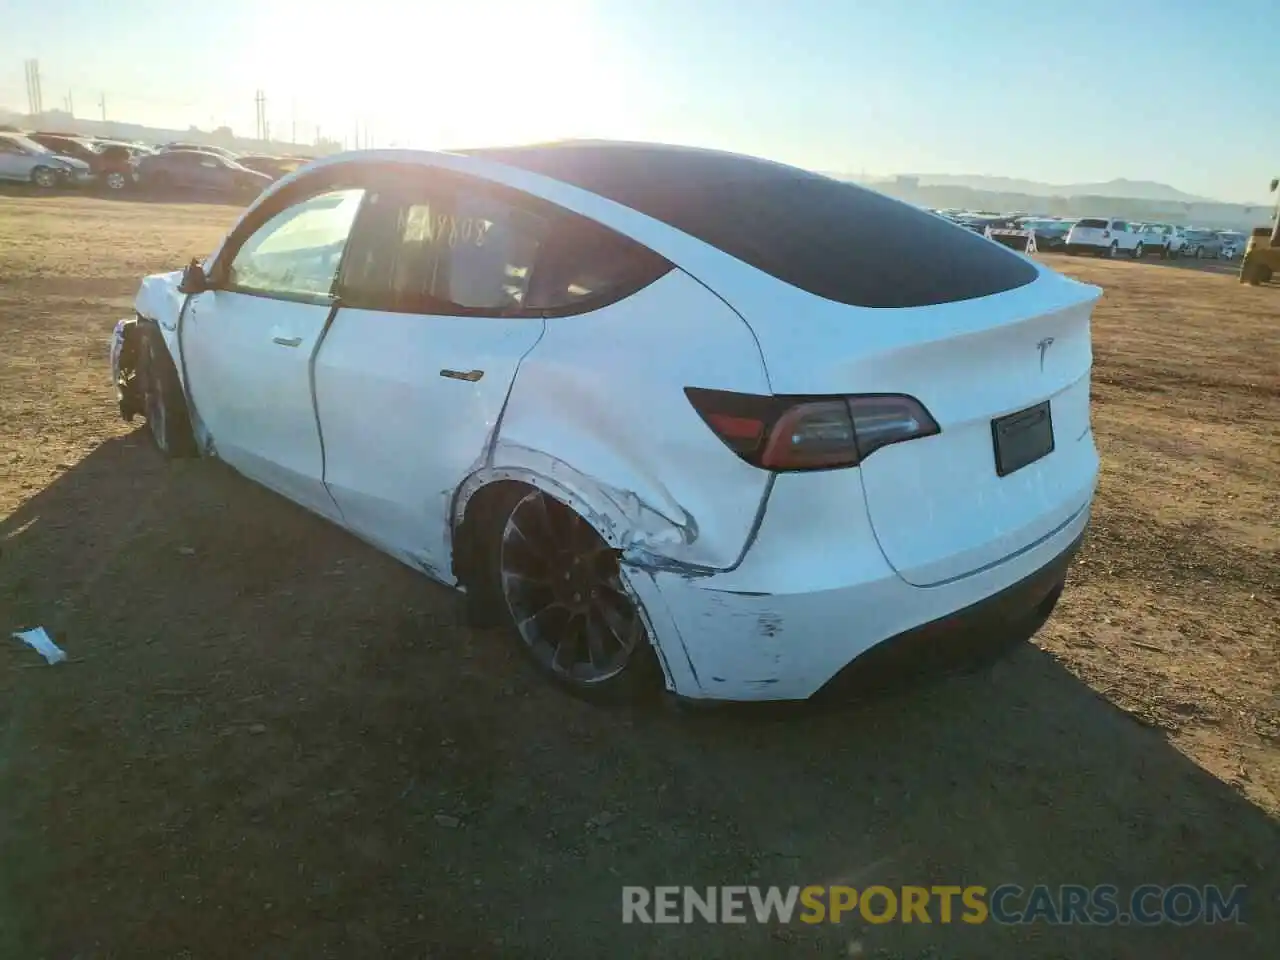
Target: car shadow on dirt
(272, 741)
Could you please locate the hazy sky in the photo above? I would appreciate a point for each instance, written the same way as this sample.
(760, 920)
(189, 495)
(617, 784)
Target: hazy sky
(1186, 92)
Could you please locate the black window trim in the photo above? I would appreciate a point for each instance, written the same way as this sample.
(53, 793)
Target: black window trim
(323, 181)
(538, 206)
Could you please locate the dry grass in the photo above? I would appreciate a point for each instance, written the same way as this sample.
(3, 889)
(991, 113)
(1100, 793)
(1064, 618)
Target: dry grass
(263, 718)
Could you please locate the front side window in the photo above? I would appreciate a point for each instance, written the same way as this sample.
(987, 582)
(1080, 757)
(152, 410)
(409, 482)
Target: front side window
(297, 252)
(440, 247)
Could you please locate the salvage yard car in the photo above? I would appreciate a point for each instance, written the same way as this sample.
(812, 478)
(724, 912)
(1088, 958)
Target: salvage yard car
(21, 158)
(1104, 237)
(113, 165)
(673, 417)
(1163, 239)
(1202, 245)
(199, 171)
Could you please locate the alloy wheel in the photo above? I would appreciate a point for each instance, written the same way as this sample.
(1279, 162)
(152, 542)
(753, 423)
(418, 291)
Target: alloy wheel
(563, 588)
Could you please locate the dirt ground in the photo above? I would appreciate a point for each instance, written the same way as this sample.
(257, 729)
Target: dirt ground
(273, 742)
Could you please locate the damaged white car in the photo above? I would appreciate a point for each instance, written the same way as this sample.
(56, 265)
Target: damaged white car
(672, 415)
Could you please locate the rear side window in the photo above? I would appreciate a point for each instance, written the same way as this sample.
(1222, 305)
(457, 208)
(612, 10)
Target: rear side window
(441, 248)
(583, 265)
(1092, 224)
(830, 238)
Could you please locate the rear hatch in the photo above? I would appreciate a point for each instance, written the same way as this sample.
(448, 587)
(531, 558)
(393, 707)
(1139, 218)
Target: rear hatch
(1090, 232)
(1006, 377)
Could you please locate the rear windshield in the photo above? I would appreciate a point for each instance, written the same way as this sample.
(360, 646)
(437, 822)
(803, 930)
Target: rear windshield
(1096, 224)
(830, 238)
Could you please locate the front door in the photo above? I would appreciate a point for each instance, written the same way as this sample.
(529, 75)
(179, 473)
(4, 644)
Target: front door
(15, 163)
(248, 346)
(414, 373)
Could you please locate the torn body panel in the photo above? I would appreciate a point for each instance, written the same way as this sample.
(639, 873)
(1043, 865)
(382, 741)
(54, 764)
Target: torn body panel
(599, 409)
(159, 301)
(622, 520)
(815, 592)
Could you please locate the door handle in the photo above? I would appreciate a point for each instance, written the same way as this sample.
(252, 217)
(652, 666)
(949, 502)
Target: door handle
(471, 375)
(287, 341)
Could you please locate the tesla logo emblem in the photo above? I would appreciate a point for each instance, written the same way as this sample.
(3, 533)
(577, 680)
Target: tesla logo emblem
(1043, 346)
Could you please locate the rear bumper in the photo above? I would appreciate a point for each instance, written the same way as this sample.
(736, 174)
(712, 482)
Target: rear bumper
(721, 640)
(1013, 613)
(1085, 247)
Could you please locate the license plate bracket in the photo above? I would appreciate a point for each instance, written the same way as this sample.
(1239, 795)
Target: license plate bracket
(1022, 438)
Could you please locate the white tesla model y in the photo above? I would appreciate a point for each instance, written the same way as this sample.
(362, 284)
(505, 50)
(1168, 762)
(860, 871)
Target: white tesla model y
(669, 414)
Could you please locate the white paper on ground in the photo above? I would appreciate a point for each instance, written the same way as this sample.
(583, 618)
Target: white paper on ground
(39, 641)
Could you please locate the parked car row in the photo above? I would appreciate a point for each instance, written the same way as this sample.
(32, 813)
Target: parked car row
(1109, 236)
(52, 161)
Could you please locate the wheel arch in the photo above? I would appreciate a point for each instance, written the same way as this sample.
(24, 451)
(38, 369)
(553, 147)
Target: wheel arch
(621, 518)
(604, 514)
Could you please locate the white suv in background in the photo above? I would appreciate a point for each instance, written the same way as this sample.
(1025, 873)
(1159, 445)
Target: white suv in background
(1162, 238)
(1104, 237)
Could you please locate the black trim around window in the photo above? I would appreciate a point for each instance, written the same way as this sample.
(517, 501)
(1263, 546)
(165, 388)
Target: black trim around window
(372, 177)
(410, 175)
(314, 299)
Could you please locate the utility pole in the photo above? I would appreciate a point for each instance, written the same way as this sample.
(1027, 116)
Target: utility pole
(71, 109)
(260, 102)
(293, 122)
(35, 99)
(102, 105)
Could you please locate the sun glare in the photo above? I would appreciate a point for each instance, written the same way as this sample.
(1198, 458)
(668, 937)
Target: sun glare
(444, 74)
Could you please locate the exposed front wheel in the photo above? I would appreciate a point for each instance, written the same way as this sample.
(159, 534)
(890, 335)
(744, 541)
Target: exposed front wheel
(115, 180)
(1113, 250)
(44, 178)
(1137, 252)
(562, 591)
(164, 404)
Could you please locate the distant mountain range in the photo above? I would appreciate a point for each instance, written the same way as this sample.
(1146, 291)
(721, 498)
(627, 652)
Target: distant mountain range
(1120, 188)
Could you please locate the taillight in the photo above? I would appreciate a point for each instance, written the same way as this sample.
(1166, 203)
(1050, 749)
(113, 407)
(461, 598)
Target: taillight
(810, 433)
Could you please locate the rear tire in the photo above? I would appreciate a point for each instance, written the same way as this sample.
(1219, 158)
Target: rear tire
(163, 402)
(1113, 250)
(1137, 252)
(115, 181)
(557, 588)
